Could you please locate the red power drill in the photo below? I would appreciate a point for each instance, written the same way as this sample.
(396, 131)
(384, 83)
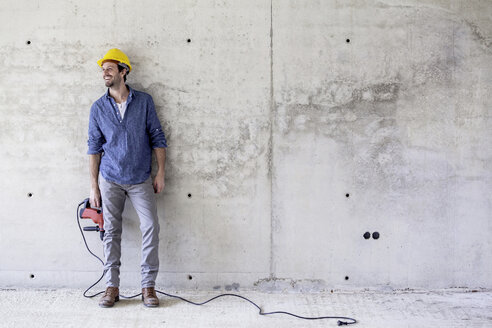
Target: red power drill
(96, 215)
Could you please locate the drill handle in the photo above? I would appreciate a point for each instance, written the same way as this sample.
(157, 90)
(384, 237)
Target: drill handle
(96, 228)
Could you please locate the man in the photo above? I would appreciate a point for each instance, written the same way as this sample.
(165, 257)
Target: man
(123, 131)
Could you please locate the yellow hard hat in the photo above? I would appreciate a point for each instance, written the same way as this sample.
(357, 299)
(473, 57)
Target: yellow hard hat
(115, 54)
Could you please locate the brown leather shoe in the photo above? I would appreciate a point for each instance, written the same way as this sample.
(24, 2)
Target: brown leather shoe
(111, 295)
(149, 297)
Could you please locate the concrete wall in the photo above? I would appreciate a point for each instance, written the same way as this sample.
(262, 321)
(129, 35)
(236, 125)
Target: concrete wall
(295, 127)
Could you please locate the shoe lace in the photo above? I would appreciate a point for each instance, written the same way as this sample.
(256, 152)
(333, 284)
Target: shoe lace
(149, 293)
(110, 292)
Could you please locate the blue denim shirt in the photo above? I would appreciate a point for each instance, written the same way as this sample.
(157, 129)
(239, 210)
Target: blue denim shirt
(125, 143)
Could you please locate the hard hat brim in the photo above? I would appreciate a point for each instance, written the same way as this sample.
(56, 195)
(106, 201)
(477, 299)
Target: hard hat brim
(101, 61)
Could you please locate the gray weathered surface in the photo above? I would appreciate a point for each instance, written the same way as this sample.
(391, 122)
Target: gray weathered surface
(272, 118)
(67, 308)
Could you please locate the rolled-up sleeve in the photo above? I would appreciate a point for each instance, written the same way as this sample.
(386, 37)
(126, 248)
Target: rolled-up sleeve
(154, 128)
(96, 138)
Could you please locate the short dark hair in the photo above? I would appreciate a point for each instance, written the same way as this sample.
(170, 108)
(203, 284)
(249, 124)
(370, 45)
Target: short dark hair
(120, 68)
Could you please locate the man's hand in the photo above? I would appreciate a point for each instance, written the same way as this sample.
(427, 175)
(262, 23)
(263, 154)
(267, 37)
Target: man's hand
(159, 182)
(95, 197)
(160, 154)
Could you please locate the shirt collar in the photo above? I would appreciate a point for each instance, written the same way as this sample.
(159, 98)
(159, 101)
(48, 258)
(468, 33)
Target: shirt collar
(130, 95)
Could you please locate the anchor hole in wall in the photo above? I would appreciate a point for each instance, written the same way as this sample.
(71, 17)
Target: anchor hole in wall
(347, 195)
(348, 40)
(346, 277)
(189, 40)
(29, 194)
(367, 235)
(190, 277)
(28, 42)
(189, 195)
(31, 276)
(375, 235)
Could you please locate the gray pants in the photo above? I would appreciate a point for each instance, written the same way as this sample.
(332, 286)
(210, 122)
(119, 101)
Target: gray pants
(113, 202)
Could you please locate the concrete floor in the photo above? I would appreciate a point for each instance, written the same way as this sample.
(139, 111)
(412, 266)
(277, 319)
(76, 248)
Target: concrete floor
(67, 308)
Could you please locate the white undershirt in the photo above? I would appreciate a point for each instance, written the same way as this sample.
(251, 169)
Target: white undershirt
(122, 108)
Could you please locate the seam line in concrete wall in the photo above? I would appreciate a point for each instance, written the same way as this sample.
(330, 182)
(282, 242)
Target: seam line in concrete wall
(270, 142)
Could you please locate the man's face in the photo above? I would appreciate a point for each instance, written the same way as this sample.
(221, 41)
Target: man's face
(111, 75)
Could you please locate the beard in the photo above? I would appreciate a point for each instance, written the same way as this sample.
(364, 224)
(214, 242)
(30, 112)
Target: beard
(114, 81)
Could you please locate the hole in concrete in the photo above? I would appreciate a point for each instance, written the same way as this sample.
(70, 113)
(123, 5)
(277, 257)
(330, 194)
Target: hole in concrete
(190, 277)
(28, 42)
(346, 278)
(375, 235)
(348, 40)
(29, 194)
(31, 276)
(347, 195)
(189, 40)
(367, 235)
(189, 195)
